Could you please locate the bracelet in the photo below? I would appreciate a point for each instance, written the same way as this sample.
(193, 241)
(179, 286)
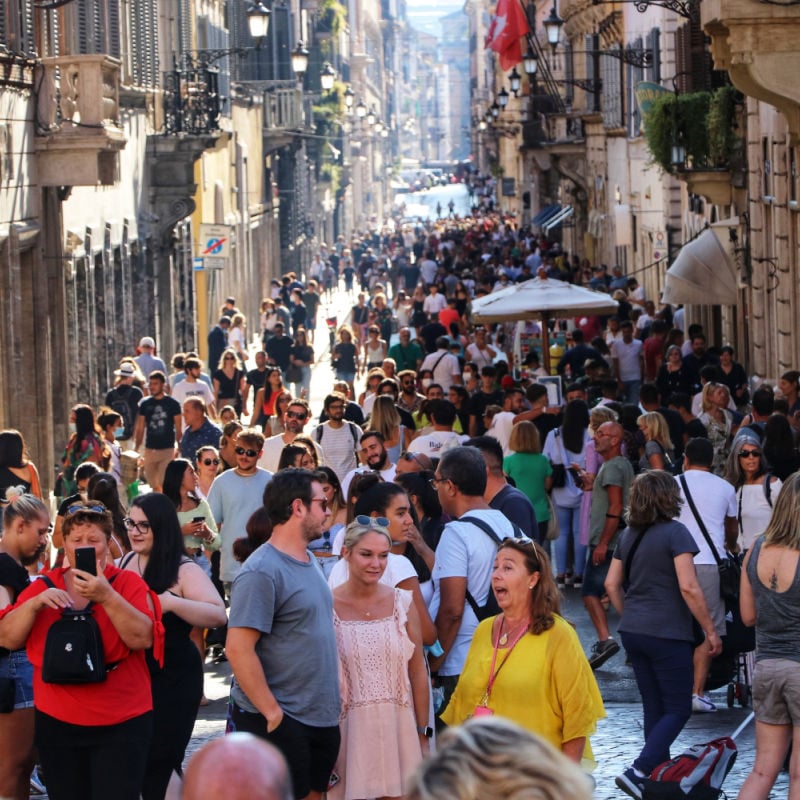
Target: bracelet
(613, 516)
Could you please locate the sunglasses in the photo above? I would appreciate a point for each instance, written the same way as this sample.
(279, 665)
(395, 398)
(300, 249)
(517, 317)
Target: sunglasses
(410, 457)
(323, 502)
(240, 451)
(78, 508)
(372, 522)
(209, 461)
(229, 358)
(143, 527)
(295, 415)
(749, 454)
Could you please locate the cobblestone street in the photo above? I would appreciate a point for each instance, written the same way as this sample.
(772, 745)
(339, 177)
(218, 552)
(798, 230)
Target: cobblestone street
(618, 737)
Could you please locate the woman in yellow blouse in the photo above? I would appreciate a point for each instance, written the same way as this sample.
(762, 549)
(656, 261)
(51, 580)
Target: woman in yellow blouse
(527, 664)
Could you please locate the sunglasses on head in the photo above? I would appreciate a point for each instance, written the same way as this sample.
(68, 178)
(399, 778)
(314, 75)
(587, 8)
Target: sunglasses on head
(372, 522)
(209, 461)
(749, 454)
(80, 507)
(241, 451)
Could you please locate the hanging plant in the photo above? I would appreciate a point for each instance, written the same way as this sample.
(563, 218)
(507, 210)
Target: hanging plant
(678, 119)
(331, 19)
(724, 143)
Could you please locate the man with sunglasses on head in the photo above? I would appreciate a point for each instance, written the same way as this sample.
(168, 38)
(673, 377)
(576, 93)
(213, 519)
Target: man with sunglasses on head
(235, 495)
(281, 642)
(294, 419)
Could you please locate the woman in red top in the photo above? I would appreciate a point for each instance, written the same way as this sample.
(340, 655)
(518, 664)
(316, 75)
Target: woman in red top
(92, 738)
(85, 443)
(267, 396)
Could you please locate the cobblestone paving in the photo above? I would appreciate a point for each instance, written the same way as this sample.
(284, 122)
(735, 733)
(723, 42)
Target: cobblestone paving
(619, 737)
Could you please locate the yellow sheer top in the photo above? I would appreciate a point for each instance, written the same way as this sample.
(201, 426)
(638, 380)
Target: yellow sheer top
(546, 686)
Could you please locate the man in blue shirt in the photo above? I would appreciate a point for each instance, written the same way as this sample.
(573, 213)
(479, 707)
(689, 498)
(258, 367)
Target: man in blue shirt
(200, 431)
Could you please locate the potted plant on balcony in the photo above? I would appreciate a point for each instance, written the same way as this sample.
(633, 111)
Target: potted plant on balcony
(695, 137)
(330, 20)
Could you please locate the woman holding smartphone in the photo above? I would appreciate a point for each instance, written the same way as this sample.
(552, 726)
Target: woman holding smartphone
(188, 599)
(93, 737)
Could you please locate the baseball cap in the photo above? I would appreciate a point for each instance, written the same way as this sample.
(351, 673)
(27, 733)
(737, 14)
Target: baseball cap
(125, 370)
(147, 341)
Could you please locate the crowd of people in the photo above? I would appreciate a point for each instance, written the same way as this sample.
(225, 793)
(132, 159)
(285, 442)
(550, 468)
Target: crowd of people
(377, 557)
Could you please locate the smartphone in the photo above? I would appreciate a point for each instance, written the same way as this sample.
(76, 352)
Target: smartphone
(198, 519)
(86, 559)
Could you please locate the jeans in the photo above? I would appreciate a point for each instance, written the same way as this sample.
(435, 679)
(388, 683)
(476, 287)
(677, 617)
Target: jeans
(632, 391)
(664, 674)
(569, 524)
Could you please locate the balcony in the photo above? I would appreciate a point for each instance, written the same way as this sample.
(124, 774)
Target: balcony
(78, 131)
(192, 102)
(284, 113)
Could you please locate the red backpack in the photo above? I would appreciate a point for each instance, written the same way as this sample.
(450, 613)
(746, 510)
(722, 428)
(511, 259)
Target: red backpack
(696, 774)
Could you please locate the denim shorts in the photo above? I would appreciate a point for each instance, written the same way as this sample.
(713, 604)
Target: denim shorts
(345, 376)
(17, 667)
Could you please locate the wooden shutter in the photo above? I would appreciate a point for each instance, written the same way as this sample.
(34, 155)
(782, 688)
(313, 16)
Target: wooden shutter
(114, 44)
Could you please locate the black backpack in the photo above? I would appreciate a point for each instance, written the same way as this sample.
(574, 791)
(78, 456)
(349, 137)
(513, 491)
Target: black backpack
(120, 405)
(490, 607)
(73, 648)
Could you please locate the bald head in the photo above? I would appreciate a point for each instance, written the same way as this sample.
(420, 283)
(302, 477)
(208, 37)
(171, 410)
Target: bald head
(237, 767)
(608, 439)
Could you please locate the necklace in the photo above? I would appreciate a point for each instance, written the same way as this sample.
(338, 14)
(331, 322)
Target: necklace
(503, 638)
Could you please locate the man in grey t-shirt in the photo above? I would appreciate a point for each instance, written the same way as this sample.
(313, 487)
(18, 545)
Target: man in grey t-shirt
(281, 644)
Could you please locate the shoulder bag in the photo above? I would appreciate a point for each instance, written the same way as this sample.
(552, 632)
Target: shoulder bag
(559, 474)
(730, 570)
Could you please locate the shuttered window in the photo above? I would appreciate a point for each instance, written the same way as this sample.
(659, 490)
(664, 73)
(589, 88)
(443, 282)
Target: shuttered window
(17, 32)
(634, 76)
(143, 42)
(613, 94)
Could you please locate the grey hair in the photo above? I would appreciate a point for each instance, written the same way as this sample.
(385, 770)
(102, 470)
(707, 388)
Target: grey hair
(19, 505)
(734, 473)
(356, 531)
(493, 759)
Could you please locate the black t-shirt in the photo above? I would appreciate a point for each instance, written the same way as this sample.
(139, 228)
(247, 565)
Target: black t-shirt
(278, 349)
(256, 378)
(15, 577)
(159, 421)
(478, 404)
(695, 429)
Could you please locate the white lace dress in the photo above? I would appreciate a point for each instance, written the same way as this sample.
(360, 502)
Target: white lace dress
(380, 745)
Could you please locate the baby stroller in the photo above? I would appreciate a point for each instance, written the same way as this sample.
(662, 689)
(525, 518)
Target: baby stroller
(733, 666)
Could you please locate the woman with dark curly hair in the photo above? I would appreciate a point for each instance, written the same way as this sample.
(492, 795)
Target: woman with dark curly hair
(526, 664)
(655, 561)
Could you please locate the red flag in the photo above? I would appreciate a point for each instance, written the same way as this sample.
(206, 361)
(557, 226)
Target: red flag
(507, 27)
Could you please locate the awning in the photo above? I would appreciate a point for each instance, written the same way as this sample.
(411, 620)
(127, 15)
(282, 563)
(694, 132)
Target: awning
(555, 221)
(704, 272)
(546, 213)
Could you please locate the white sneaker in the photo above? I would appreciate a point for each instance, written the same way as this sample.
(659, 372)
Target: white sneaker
(702, 705)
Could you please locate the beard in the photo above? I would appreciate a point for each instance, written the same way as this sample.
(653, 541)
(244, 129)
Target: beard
(380, 464)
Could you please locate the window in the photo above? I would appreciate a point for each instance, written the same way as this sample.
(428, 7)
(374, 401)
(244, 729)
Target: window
(16, 27)
(613, 95)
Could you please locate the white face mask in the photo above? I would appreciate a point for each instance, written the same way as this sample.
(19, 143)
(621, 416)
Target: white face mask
(426, 382)
(466, 377)
(72, 427)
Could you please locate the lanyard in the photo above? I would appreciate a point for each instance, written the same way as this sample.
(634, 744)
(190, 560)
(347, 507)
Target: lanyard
(492, 674)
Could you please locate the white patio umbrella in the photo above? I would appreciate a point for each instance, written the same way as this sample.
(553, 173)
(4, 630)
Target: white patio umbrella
(541, 298)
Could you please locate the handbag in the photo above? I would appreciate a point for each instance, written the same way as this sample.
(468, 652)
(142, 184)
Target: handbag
(294, 374)
(730, 570)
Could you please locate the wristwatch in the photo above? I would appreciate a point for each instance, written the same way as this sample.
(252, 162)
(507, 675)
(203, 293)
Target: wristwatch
(425, 730)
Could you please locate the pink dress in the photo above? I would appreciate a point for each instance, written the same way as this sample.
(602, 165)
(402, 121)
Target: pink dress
(380, 745)
(593, 464)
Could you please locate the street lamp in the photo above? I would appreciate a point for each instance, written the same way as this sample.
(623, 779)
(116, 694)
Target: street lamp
(515, 80)
(495, 110)
(530, 62)
(502, 98)
(299, 57)
(258, 19)
(552, 27)
(327, 77)
(371, 116)
(349, 99)
(361, 110)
